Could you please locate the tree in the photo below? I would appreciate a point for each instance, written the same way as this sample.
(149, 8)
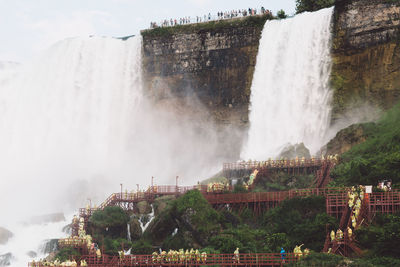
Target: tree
(312, 5)
(110, 222)
(281, 14)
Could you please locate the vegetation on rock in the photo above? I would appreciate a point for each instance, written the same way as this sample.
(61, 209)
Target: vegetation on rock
(252, 21)
(375, 159)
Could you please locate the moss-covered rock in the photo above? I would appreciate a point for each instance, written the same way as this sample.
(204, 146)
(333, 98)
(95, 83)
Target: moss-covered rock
(135, 229)
(161, 203)
(143, 207)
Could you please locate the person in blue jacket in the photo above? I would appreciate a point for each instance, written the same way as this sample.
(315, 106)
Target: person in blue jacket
(283, 254)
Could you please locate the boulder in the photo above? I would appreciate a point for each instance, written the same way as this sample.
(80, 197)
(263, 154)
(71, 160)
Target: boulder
(5, 259)
(4, 235)
(293, 151)
(31, 254)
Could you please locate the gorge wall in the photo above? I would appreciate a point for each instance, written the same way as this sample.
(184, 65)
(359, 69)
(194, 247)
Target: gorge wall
(366, 55)
(214, 62)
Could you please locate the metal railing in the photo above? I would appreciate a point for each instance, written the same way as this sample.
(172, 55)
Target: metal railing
(253, 259)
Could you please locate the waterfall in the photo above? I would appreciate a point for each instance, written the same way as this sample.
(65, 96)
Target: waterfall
(128, 232)
(148, 221)
(290, 96)
(66, 121)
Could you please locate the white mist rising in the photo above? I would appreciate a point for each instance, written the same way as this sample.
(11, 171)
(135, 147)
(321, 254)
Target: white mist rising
(75, 123)
(290, 96)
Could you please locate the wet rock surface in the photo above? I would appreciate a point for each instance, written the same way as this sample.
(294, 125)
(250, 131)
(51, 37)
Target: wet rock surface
(366, 55)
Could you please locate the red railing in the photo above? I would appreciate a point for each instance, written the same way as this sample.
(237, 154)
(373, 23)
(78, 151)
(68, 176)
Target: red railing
(259, 259)
(249, 165)
(212, 197)
(383, 202)
(387, 202)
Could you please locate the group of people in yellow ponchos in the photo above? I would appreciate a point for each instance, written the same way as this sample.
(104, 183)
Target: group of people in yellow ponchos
(217, 187)
(57, 263)
(181, 256)
(355, 197)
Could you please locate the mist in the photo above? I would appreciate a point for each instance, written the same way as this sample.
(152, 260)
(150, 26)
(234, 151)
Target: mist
(76, 123)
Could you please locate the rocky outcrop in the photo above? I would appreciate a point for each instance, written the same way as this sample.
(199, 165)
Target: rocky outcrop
(366, 55)
(4, 235)
(347, 138)
(293, 151)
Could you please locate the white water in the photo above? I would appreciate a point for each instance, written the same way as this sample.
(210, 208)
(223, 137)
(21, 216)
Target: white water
(290, 96)
(128, 232)
(151, 215)
(74, 124)
(29, 238)
(65, 123)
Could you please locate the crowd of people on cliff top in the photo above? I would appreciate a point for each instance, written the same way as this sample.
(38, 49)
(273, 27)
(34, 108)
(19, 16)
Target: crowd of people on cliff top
(219, 16)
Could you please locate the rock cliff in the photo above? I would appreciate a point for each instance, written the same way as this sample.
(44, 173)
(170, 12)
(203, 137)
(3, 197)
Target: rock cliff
(366, 55)
(213, 62)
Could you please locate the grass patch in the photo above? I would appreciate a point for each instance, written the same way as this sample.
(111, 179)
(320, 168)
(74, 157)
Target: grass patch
(250, 21)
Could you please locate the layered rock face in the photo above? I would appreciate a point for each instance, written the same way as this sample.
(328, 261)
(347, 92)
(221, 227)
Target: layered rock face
(213, 62)
(366, 55)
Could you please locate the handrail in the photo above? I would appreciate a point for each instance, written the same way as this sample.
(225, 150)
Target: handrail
(283, 163)
(241, 259)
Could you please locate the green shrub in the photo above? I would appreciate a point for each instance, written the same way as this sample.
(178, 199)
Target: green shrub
(112, 246)
(110, 222)
(66, 254)
(249, 21)
(204, 218)
(312, 5)
(275, 241)
(303, 220)
(281, 14)
(142, 247)
(382, 237)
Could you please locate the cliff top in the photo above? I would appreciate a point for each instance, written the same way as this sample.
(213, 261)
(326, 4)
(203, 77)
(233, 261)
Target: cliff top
(249, 21)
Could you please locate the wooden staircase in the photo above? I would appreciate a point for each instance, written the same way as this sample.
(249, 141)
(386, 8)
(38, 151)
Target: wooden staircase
(347, 246)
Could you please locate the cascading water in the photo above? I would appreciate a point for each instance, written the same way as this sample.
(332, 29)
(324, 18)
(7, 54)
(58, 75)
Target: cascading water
(65, 122)
(149, 219)
(128, 232)
(290, 96)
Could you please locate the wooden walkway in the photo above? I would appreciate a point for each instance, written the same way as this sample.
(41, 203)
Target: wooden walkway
(260, 259)
(336, 199)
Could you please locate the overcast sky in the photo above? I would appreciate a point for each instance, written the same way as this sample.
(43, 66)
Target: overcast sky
(30, 26)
